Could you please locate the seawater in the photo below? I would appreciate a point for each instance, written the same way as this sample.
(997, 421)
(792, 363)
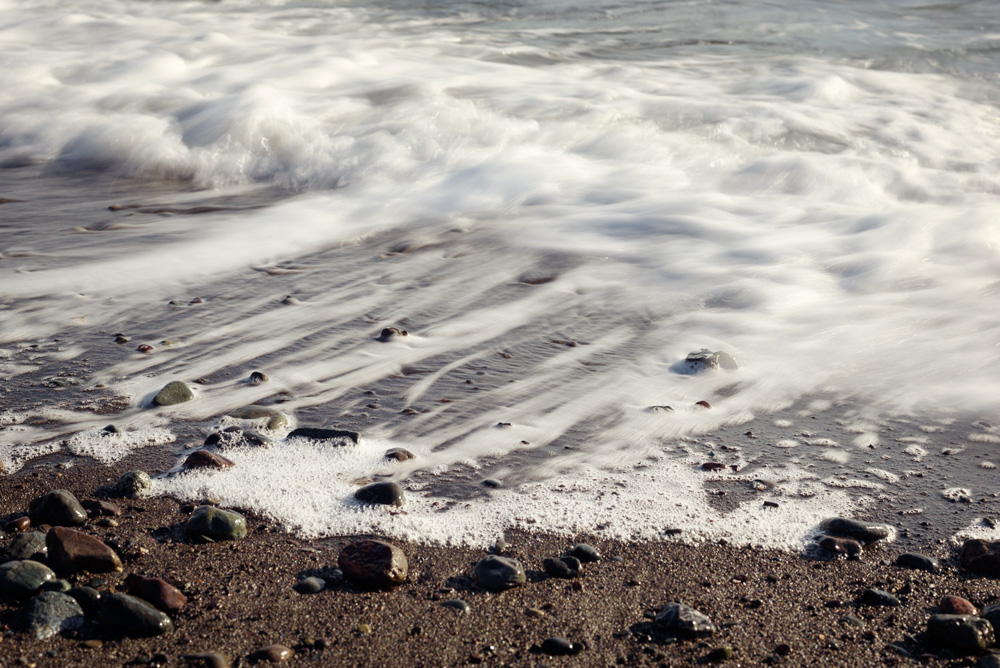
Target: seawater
(558, 201)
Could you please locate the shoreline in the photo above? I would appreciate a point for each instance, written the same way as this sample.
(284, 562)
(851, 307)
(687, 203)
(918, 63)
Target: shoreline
(769, 606)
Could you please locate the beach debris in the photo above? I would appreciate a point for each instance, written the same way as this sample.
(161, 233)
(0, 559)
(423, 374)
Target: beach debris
(705, 360)
(373, 563)
(132, 484)
(399, 454)
(681, 620)
(314, 434)
(156, 591)
(965, 634)
(956, 605)
(499, 573)
(879, 597)
(58, 508)
(72, 551)
(204, 459)
(216, 524)
(381, 493)
(864, 532)
(174, 392)
(51, 612)
(23, 579)
(133, 616)
(585, 553)
(562, 567)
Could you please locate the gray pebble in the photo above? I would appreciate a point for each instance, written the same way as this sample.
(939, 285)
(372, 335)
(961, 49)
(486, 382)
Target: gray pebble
(682, 620)
(585, 553)
(52, 612)
(133, 484)
(456, 604)
(918, 561)
(174, 392)
(30, 545)
(310, 585)
(216, 524)
(879, 597)
(23, 579)
(499, 573)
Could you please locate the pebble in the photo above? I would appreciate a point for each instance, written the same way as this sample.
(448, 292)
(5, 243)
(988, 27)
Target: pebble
(23, 579)
(174, 392)
(705, 359)
(101, 507)
(982, 557)
(88, 598)
(18, 524)
(58, 508)
(258, 377)
(207, 660)
(314, 434)
(499, 573)
(133, 616)
(204, 459)
(456, 604)
(290, 301)
(956, 605)
(72, 551)
(399, 454)
(145, 348)
(556, 646)
(373, 563)
(333, 577)
(216, 524)
(29, 545)
(851, 620)
(157, 591)
(865, 532)
(838, 545)
(390, 333)
(562, 567)
(231, 437)
(962, 633)
(383, 493)
(991, 613)
(493, 483)
(52, 612)
(989, 661)
(682, 620)
(585, 553)
(133, 484)
(272, 654)
(918, 561)
(310, 585)
(879, 597)
(61, 586)
(252, 412)
(724, 653)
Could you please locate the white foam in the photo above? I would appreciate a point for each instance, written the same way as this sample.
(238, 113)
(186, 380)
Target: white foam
(108, 448)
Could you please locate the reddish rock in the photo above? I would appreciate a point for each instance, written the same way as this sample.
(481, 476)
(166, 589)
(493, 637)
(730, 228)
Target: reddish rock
(373, 563)
(703, 404)
(157, 591)
(18, 524)
(956, 605)
(145, 348)
(103, 508)
(203, 459)
(72, 551)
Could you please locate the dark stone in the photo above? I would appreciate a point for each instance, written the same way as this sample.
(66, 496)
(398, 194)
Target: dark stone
(562, 567)
(838, 545)
(51, 612)
(29, 545)
(20, 580)
(203, 459)
(456, 604)
(333, 577)
(956, 605)
(991, 613)
(231, 437)
(962, 633)
(258, 377)
(18, 524)
(216, 524)
(865, 532)
(157, 591)
(399, 454)
(314, 434)
(72, 551)
(493, 482)
(585, 553)
(981, 557)
(556, 646)
(102, 508)
(311, 585)
(879, 598)
(207, 660)
(174, 392)
(133, 616)
(725, 653)
(705, 359)
(390, 333)
(383, 493)
(88, 598)
(61, 586)
(681, 620)
(713, 466)
(58, 508)
(271, 654)
(133, 484)
(499, 573)
(918, 561)
(373, 563)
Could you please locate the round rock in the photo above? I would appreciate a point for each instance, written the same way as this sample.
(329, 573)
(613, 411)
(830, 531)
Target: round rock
(456, 604)
(556, 646)
(585, 553)
(963, 633)
(23, 579)
(562, 567)
(58, 508)
(373, 563)
(681, 620)
(499, 573)
(216, 524)
(878, 597)
(956, 605)
(133, 616)
(383, 493)
(174, 392)
(310, 585)
(838, 545)
(866, 532)
(204, 459)
(399, 454)
(133, 484)
(51, 612)
(919, 562)
(156, 591)
(72, 551)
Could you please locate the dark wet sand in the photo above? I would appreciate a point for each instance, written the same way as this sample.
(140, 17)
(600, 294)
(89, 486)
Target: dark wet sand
(241, 598)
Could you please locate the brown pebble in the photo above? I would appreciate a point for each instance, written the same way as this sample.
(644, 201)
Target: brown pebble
(145, 348)
(92, 644)
(703, 404)
(100, 507)
(956, 605)
(203, 459)
(272, 654)
(157, 591)
(18, 524)
(73, 551)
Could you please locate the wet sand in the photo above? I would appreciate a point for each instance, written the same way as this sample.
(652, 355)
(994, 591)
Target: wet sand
(769, 606)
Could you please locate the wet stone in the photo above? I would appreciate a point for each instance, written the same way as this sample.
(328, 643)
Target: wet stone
(88, 598)
(133, 484)
(456, 604)
(314, 434)
(156, 591)
(133, 616)
(991, 613)
(258, 377)
(310, 585)
(174, 392)
(252, 412)
(271, 654)
(232, 437)
(956, 605)
(216, 524)
(499, 573)
(918, 562)
(204, 459)
(851, 620)
(333, 577)
(52, 612)
(493, 482)
(390, 333)
(72, 551)
(705, 359)
(61, 586)
(207, 660)
(556, 646)
(865, 532)
(101, 507)
(724, 653)
(382, 493)
(373, 563)
(22, 579)
(58, 508)
(562, 567)
(29, 545)
(585, 553)
(838, 545)
(878, 597)
(681, 620)
(18, 524)
(962, 633)
(981, 557)
(399, 454)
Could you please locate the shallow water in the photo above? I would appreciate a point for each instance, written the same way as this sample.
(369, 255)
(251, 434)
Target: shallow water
(558, 203)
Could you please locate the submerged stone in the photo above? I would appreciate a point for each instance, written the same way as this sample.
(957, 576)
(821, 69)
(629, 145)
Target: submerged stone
(705, 359)
(314, 434)
(384, 493)
(174, 392)
(839, 545)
